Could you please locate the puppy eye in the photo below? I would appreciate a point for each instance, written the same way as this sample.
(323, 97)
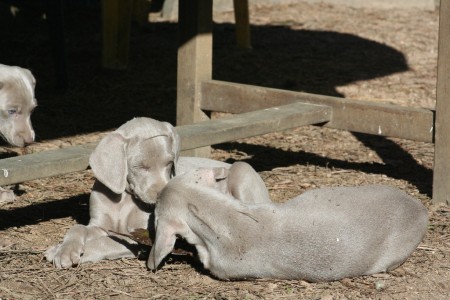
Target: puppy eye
(12, 111)
(139, 167)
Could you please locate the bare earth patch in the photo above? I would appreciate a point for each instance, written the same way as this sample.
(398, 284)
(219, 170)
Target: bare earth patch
(366, 54)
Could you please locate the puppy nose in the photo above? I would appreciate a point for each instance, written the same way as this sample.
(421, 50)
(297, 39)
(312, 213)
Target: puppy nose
(28, 139)
(23, 138)
(17, 141)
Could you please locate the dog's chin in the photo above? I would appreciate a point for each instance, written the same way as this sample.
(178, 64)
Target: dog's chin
(148, 201)
(145, 204)
(16, 141)
(147, 198)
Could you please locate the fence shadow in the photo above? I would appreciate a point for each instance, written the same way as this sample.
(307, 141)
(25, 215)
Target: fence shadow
(75, 207)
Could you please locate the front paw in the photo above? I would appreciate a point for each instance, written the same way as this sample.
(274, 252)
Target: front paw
(6, 196)
(64, 255)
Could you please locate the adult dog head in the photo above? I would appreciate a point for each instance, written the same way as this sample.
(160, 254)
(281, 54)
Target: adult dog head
(139, 157)
(17, 102)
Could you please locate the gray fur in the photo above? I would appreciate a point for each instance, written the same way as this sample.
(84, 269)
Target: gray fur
(322, 235)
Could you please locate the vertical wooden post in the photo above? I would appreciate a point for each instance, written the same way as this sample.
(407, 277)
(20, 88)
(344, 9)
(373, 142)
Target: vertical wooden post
(55, 20)
(140, 11)
(441, 174)
(242, 21)
(116, 24)
(194, 62)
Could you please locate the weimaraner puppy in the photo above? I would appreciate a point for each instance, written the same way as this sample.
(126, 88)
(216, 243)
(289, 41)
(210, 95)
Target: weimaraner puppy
(17, 102)
(131, 166)
(322, 235)
(241, 182)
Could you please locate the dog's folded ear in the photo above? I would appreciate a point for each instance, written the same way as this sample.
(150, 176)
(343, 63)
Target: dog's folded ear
(109, 163)
(175, 140)
(220, 173)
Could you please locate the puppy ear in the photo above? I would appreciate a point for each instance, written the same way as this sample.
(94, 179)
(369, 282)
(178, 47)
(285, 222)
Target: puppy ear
(174, 137)
(175, 144)
(175, 140)
(164, 243)
(109, 162)
(230, 209)
(1, 85)
(220, 173)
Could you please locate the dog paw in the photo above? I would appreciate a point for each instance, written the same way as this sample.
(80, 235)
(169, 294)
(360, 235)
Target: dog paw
(6, 196)
(64, 255)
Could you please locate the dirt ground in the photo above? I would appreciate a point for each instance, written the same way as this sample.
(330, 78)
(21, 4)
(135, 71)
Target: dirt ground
(367, 54)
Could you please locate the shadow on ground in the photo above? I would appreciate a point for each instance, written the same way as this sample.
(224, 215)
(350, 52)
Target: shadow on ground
(98, 99)
(75, 207)
(398, 163)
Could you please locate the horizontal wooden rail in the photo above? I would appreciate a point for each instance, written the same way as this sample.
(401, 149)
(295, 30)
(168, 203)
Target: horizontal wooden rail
(45, 164)
(72, 159)
(353, 115)
(251, 124)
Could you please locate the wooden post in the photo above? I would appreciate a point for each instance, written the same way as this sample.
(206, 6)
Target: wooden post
(140, 11)
(441, 174)
(242, 21)
(55, 19)
(194, 62)
(116, 24)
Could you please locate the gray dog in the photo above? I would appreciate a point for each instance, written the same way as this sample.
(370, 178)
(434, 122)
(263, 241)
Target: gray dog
(322, 235)
(131, 165)
(17, 102)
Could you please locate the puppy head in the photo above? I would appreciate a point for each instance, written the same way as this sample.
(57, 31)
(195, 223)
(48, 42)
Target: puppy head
(138, 158)
(17, 102)
(183, 202)
(172, 212)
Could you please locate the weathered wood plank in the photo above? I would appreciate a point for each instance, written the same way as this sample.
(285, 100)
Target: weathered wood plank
(441, 174)
(140, 11)
(353, 115)
(194, 62)
(116, 25)
(242, 21)
(252, 124)
(45, 164)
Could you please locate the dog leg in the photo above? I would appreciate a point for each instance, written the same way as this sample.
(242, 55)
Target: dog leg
(69, 252)
(109, 247)
(6, 196)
